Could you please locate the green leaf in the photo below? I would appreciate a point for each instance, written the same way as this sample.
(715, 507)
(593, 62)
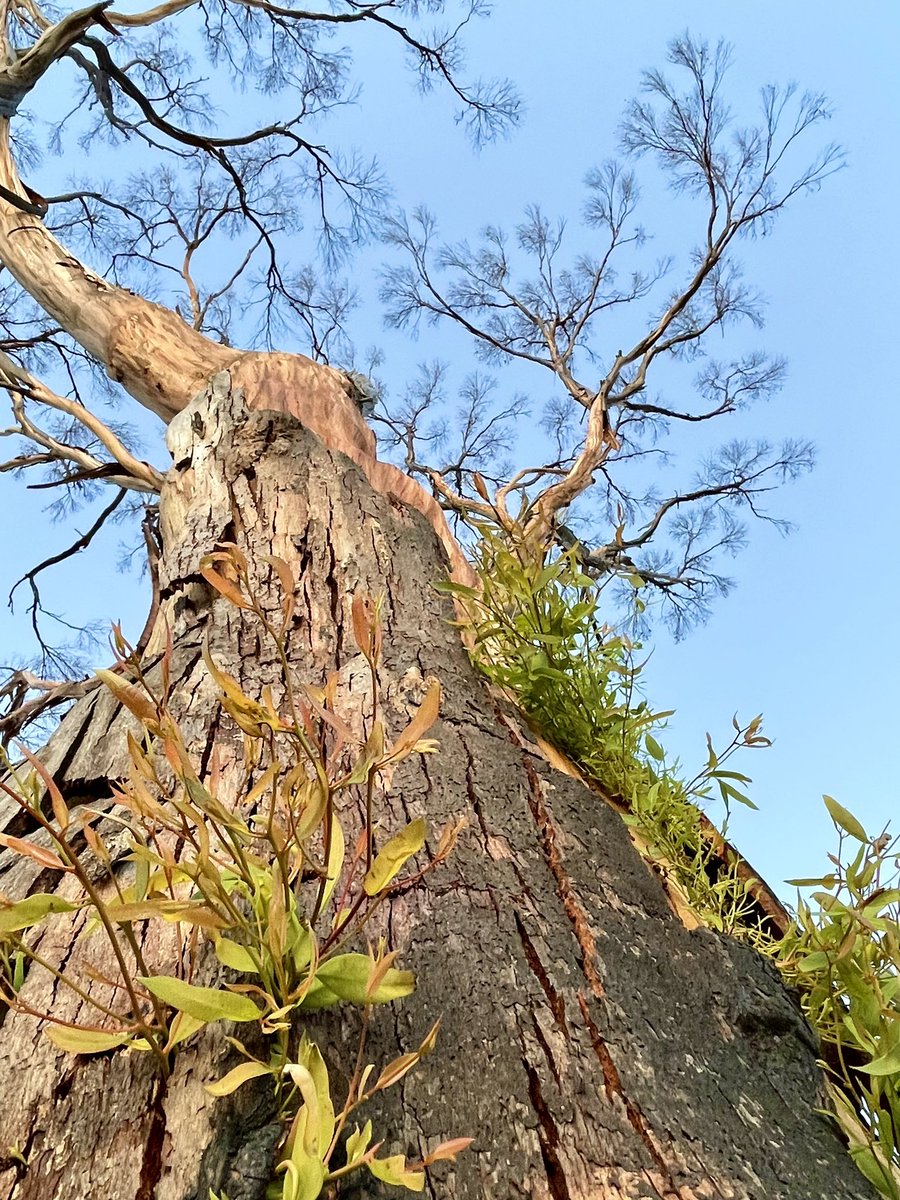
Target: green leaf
(887, 1064)
(299, 943)
(347, 975)
(817, 961)
(183, 1027)
(311, 1058)
(881, 900)
(231, 954)
(654, 749)
(305, 1171)
(240, 1074)
(824, 881)
(32, 910)
(875, 1171)
(335, 859)
(727, 790)
(358, 1142)
(371, 754)
(318, 997)
(845, 820)
(84, 1041)
(304, 1175)
(393, 1170)
(208, 1004)
(393, 855)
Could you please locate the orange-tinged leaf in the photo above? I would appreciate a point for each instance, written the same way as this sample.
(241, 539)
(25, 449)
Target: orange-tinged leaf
(225, 587)
(97, 844)
(60, 808)
(360, 610)
(424, 718)
(395, 1071)
(430, 1039)
(175, 911)
(129, 696)
(447, 1150)
(327, 715)
(39, 854)
(449, 837)
(288, 584)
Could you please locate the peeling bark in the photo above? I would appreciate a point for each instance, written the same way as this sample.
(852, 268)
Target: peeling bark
(594, 1047)
(162, 362)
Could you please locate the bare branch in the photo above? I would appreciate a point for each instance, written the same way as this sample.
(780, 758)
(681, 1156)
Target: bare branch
(126, 471)
(520, 299)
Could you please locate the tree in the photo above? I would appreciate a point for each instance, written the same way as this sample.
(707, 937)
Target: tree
(592, 1045)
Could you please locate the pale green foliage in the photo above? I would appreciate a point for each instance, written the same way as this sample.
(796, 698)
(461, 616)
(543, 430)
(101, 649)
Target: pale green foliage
(844, 955)
(535, 632)
(276, 881)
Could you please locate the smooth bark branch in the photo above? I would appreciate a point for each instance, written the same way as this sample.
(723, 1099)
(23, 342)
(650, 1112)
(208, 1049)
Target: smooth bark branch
(157, 358)
(162, 362)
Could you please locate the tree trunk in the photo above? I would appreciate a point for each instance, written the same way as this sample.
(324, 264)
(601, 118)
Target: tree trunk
(592, 1046)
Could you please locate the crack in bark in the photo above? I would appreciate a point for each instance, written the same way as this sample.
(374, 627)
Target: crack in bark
(548, 1053)
(573, 909)
(474, 799)
(334, 600)
(151, 1165)
(555, 1001)
(475, 802)
(548, 1136)
(210, 744)
(612, 1082)
(77, 736)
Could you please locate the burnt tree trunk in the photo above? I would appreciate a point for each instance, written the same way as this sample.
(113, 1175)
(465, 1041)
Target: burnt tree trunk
(592, 1046)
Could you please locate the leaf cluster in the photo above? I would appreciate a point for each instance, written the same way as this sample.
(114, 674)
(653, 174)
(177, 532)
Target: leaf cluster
(275, 882)
(537, 632)
(844, 955)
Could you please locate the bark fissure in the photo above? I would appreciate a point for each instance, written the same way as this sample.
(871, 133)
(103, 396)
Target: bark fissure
(555, 1001)
(543, 941)
(152, 1162)
(612, 1082)
(566, 892)
(548, 1136)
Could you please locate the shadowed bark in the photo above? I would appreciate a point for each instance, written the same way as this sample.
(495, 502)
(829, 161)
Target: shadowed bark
(595, 1048)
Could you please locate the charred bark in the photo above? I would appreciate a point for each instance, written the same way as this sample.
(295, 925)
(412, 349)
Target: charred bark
(594, 1047)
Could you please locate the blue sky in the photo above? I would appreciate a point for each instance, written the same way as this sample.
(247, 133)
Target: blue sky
(808, 637)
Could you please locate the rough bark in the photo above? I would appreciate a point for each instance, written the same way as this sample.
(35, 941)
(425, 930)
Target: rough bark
(594, 1047)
